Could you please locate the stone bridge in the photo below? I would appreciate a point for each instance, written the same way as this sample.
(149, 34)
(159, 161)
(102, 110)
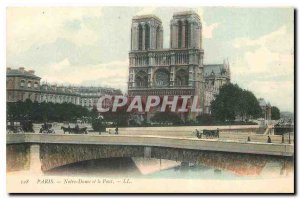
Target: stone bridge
(46, 152)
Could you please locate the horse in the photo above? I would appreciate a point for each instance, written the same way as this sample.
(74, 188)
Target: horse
(78, 130)
(46, 128)
(66, 129)
(82, 130)
(211, 133)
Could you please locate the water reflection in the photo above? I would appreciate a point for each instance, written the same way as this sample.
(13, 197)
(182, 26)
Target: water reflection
(158, 168)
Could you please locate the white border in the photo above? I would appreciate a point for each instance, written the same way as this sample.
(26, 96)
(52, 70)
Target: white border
(44, 3)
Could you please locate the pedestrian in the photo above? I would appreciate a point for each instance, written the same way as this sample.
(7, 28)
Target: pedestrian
(197, 133)
(269, 140)
(117, 129)
(248, 139)
(77, 128)
(282, 138)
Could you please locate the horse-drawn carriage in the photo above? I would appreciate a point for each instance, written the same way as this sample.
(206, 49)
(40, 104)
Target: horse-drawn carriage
(47, 128)
(75, 130)
(208, 133)
(20, 127)
(14, 128)
(282, 128)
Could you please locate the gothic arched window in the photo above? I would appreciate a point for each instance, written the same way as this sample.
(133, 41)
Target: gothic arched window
(179, 34)
(157, 36)
(187, 34)
(141, 79)
(147, 37)
(140, 41)
(182, 78)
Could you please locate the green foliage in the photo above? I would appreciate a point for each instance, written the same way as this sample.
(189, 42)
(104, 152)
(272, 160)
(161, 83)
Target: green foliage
(275, 113)
(167, 117)
(98, 125)
(233, 102)
(40, 112)
(205, 119)
(118, 118)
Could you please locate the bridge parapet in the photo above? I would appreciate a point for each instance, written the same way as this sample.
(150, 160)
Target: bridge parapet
(172, 142)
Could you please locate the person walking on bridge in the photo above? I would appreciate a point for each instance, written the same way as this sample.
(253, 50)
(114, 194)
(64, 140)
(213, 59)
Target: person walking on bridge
(269, 140)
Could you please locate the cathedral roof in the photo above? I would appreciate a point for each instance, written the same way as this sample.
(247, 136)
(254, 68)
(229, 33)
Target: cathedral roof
(214, 69)
(142, 17)
(186, 13)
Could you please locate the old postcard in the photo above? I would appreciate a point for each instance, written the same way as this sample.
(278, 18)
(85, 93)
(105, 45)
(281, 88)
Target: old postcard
(150, 100)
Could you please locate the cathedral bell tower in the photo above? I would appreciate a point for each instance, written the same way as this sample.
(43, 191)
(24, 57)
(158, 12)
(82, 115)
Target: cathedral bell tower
(146, 33)
(186, 30)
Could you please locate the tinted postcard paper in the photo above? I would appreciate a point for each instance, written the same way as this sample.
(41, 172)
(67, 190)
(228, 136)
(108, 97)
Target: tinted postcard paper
(150, 100)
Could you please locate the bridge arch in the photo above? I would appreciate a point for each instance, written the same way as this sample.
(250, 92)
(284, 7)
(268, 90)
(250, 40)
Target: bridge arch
(57, 155)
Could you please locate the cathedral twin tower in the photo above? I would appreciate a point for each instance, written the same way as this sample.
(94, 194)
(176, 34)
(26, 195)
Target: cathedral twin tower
(147, 32)
(178, 70)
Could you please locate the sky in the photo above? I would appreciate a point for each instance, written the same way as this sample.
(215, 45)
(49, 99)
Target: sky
(90, 45)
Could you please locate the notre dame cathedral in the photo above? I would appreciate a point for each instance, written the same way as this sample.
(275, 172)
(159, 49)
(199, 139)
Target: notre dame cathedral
(179, 70)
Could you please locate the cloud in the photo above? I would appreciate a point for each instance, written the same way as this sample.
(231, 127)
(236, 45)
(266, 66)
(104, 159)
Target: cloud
(207, 29)
(281, 35)
(26, 27)
(265, 65)
(113, 74)
(146, 11)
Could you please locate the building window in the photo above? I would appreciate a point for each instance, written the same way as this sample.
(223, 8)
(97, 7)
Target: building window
(141, 79)
(147, 37)
(182, 78)
(187, 34)
(140, 37)
(157, 36)
(35, 85)
(179, 34)
(161, 78)
(29, 84)
(22, 83)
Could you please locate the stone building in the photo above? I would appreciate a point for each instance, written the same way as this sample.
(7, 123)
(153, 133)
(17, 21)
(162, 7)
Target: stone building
(22, 85)
(88, 96)
(179, 70)
(215, 75)
(58, 94)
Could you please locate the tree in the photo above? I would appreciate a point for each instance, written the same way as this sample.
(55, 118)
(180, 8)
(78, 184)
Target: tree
(205, 119)
(275, 113)
(248, 106)
(224, 107)
(119, 118)
(41, 112)
(233, 102)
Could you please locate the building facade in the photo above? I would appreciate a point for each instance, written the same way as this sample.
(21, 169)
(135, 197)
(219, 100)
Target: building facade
(22, 85)
(178, 70)
(215, 75)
